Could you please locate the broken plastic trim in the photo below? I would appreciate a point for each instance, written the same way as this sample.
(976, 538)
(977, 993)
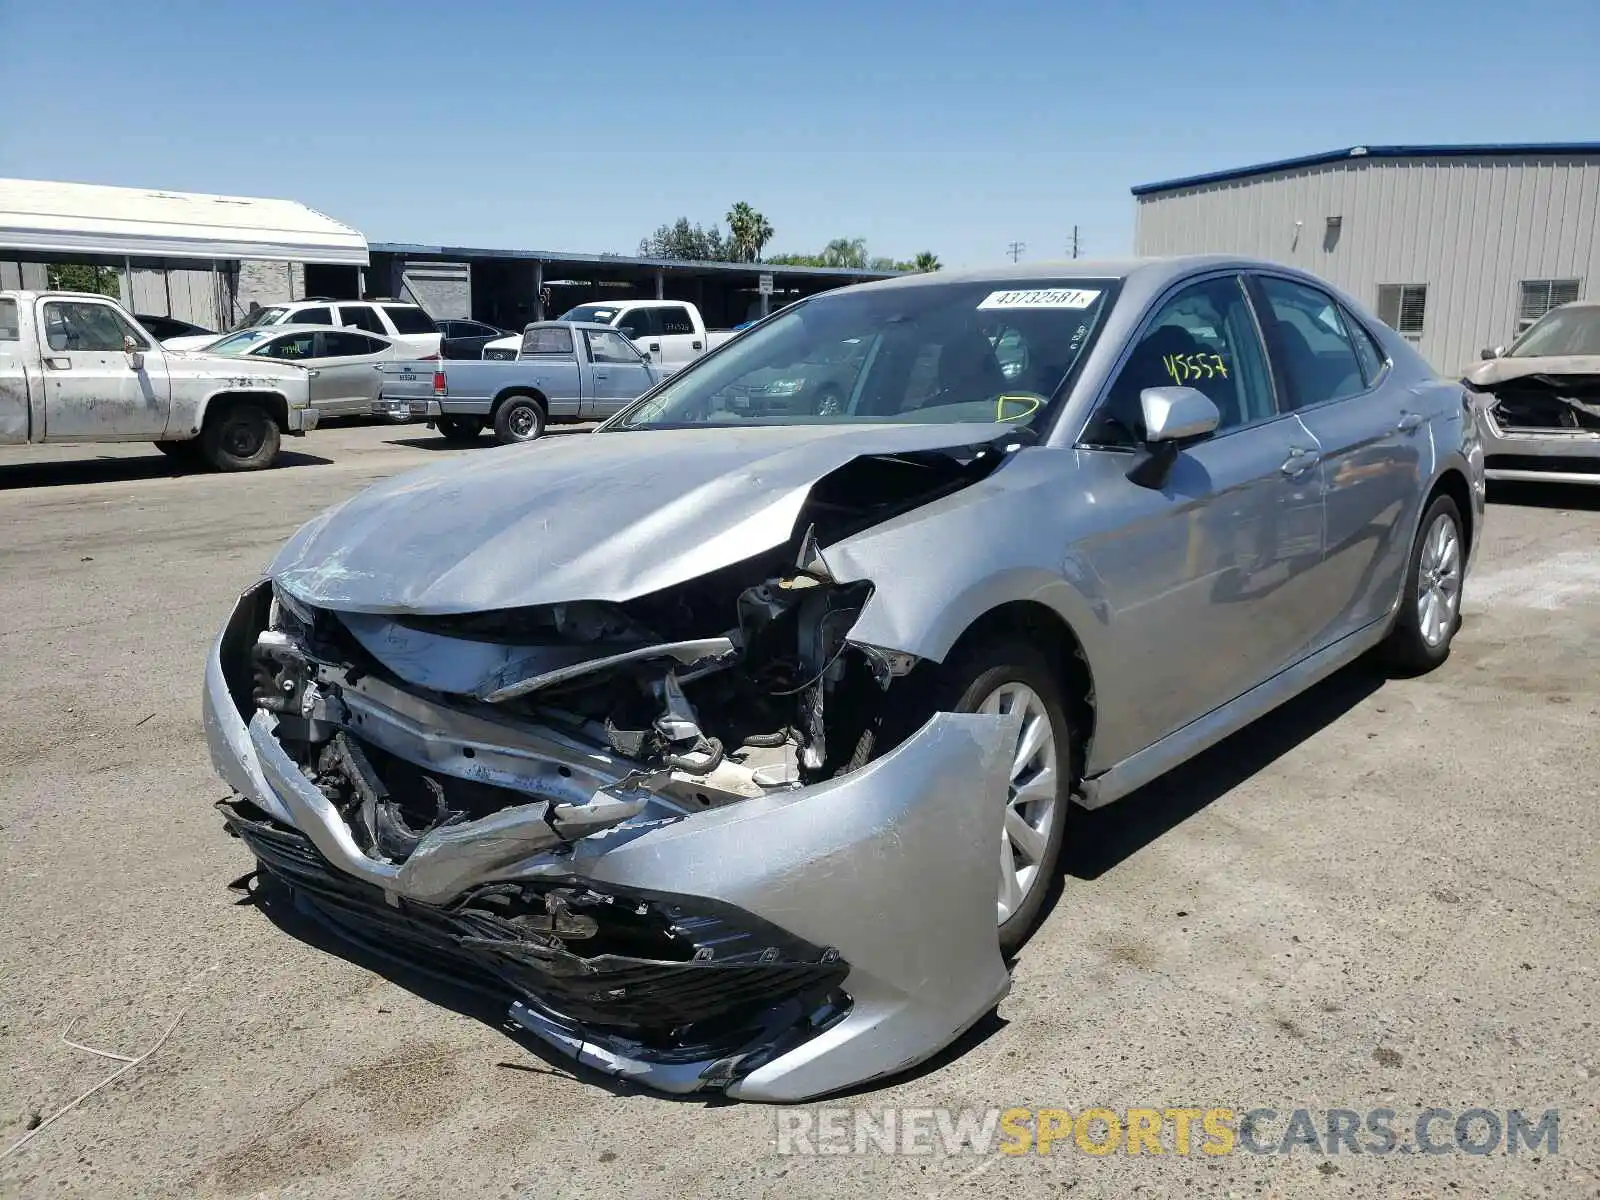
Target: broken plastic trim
(696, 655)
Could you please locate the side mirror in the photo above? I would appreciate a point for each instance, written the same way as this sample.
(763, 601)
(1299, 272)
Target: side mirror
(1174, 417)
(1487, 353)
(134, 353)
(1177, 414)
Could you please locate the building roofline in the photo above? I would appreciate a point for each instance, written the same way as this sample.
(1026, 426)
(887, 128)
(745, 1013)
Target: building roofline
(1359, 152)
(859, 274)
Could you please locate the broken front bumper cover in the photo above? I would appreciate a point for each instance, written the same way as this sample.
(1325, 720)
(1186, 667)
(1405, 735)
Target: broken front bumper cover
(874, 894)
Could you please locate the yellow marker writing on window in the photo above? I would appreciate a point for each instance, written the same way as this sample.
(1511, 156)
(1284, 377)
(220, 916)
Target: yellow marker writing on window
(1032, 406)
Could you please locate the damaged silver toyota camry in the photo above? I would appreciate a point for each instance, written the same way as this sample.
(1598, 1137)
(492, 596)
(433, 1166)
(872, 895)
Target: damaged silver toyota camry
(734, 741)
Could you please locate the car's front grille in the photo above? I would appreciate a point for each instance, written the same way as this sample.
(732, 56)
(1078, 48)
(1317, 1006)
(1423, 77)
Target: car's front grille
(681, 974)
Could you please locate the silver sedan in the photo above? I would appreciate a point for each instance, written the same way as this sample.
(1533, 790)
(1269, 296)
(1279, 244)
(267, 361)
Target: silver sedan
(345, 365)
(735, 741)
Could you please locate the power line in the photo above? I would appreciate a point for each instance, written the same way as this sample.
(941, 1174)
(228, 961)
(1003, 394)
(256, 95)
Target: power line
(1015, 249)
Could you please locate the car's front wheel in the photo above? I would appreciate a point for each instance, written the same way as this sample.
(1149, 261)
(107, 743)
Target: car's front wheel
(1430, 606)
(239, 437)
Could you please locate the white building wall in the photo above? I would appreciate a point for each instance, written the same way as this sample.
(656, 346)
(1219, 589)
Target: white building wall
(1471, 228)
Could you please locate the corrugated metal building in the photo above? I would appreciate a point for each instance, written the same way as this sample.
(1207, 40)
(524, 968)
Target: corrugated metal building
(1457, 247)
(199, 258)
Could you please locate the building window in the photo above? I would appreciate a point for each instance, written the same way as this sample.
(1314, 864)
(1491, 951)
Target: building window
(1401, 306)
(1539, 296)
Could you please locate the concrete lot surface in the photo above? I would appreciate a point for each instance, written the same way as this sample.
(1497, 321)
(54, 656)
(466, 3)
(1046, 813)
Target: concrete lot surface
(1385, 896)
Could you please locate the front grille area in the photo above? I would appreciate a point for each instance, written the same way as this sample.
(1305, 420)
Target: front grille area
(676, 977)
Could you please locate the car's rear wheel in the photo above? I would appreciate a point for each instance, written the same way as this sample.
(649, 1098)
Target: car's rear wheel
(1000, 675)
(459, 429)
(1430, 606)
(518, 419)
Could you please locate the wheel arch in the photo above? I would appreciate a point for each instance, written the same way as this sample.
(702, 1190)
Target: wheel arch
(1452, 482)
(531, 392)
(275, 404)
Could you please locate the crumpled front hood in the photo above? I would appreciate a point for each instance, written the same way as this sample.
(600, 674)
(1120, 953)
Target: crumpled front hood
(1503, 370)
(605, 516)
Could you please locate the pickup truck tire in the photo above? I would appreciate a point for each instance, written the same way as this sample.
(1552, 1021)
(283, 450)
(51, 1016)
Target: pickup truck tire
(519, 418)
(459, 429)
(239, 436)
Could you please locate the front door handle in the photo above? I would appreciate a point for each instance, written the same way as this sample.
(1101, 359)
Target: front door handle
(1408, 421)
(696, 345)
(602, 375)
(58, 364)
(655, 347)
(1300, 461)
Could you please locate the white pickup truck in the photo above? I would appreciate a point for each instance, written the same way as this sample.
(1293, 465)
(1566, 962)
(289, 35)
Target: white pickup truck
(670, 333)
(76, 367)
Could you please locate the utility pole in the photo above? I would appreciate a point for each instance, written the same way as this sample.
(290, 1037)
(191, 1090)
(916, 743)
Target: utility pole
(1073, 247)
(1015, 249)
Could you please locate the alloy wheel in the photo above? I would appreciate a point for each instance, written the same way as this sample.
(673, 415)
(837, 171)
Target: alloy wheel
(1439, 580)
(1031, 797)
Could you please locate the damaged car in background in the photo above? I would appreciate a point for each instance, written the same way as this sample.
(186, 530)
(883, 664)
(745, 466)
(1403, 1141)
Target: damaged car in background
(1542, 408)
(734, 742)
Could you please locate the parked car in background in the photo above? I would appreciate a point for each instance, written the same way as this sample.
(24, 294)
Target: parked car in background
(162, 328)
(77, 368)
(405, 324)
(344, 365)
(1542, 416)
(567, 371)
(466, 339)
(670, 333)
(738, 742)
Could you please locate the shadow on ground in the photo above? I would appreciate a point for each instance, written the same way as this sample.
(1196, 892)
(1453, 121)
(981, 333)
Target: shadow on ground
(424, 439)
(107, 469)
(1097, 841)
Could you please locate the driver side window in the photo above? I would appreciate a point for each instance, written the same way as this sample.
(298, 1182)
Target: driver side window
(1203, 337)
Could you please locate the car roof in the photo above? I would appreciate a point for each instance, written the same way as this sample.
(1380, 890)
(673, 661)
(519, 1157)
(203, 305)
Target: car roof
(289, 327)
(566, 325)
(1153, 272)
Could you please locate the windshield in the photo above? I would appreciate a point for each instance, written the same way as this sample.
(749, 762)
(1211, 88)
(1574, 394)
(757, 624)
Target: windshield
(960, 352)
(238, 343)
(264, 316)
(600, 314)
(1560, 332)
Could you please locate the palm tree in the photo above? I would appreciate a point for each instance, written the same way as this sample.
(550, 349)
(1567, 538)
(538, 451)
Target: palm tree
(927, 261)
(845, 252)
(748, 232)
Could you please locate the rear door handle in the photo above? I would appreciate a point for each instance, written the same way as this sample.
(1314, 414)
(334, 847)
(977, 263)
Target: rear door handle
(696, 345)
(1300, 461)
(1408, 422)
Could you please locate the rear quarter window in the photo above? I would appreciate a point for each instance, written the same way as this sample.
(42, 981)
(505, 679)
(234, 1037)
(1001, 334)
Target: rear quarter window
(10, 328)
(410, 320)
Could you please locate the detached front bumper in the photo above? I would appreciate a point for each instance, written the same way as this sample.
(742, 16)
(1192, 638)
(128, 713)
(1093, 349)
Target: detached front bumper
(833, 934)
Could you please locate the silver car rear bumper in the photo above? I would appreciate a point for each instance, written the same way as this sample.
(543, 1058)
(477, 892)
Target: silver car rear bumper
(892, 867)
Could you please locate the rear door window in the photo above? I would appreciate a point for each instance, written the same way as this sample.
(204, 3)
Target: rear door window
(361, 316)
(1310, 345)
(408, 318)
(292, 346)
(676, 319)
(340, 343)
(310, 316)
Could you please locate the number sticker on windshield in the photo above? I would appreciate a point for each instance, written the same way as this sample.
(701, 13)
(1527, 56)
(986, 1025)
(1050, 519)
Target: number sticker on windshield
(1184, 367)
(1041, 298)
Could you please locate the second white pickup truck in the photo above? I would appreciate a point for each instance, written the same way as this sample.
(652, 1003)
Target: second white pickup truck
(76, 367)
(670, 333)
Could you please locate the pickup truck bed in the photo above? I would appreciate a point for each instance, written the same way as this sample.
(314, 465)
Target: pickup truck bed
(569, 372)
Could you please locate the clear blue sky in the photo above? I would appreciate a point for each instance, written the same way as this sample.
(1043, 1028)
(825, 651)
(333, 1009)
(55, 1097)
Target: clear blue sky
(955, 127)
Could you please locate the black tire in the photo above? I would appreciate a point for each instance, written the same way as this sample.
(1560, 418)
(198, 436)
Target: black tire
(460, 430)
(239, 437)
(1407, 649)
(974, 671)
(519, 418)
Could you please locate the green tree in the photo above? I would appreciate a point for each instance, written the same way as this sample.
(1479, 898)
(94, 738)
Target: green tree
(80, 277)
(845, 252)
(748, 232)
(927, 261)
(681, 240)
